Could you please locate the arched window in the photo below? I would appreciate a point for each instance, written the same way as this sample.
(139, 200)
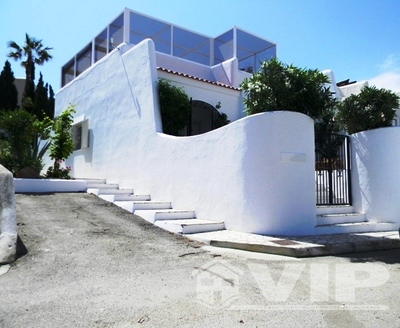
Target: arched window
(204, 118)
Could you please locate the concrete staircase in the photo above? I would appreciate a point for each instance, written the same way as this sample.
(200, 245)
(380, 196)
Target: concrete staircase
(159, 213)
(330, 219)
(343, 219)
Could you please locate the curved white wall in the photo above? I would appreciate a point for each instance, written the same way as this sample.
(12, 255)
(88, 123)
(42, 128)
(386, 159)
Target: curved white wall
(376, 174)
(256, 174)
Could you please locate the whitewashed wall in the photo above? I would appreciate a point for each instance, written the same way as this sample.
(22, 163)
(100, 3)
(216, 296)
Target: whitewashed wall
(256, 174)
(248, 173)
(184, 66)
(352, 89)
(376, 174)
(332, 84)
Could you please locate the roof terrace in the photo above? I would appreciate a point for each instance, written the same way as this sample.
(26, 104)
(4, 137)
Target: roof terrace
(132, 27)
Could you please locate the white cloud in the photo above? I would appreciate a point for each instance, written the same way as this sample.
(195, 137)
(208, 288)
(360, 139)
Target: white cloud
(391, 63)
(387, 80)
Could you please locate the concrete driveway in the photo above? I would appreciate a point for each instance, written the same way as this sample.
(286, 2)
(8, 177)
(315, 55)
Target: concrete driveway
(92, 264)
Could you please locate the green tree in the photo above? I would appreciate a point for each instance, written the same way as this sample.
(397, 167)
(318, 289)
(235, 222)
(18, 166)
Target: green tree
(8, 91)
(62, 143)
(51, 102)
(370, 109)
(40, 104)
(32, 53)
(174, 106)
(277, 86)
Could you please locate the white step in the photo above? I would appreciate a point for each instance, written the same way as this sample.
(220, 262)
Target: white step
(112, 198)
(169, 214)
(90, 181)
(132, 206)
(132, 197)
(98, 192)
(335, 209)
(324, 219)
(189, 226)
(356, 227)
(94, 191)
(157, 212)
(102, 186)
(115, 191)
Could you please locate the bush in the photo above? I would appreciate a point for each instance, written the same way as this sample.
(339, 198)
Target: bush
(372, 108)
(19, 141)
(175, 107)
(58, 172)
(22, 144)
(62, 144)
(277, 86)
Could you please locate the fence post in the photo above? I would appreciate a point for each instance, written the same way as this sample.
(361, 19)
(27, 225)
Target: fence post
(330, 178)
(349, 168)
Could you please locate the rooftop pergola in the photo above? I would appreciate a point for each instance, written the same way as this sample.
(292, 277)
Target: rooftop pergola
(133, 27)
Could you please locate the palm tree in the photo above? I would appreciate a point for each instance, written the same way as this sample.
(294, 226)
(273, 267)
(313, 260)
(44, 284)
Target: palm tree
(31, 53)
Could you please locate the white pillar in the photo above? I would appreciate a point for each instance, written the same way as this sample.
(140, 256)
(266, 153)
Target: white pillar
(8, 223)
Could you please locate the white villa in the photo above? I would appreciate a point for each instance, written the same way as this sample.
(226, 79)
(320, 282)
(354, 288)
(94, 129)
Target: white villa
(256, 174)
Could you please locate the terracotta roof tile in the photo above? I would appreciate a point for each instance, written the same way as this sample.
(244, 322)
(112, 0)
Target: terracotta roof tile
(197, 78)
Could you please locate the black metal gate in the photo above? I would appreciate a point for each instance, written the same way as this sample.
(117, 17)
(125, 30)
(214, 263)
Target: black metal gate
(332, 171)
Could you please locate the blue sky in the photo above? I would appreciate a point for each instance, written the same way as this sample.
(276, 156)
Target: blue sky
(357, 39)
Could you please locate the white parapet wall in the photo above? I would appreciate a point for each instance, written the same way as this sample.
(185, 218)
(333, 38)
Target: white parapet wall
(8, 223)
(256, 174)
(376, 174)
(49, 185)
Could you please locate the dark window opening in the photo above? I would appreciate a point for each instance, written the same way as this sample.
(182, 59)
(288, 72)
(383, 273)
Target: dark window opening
(84, 60)
(203, 118)
(68, 72)
(100, 46)
(78, 138)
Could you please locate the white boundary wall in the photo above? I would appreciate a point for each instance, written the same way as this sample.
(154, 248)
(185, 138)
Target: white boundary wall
(376, 174)
(49, 185)
(256, 174)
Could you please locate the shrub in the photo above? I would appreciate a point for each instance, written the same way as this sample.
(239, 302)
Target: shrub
(24, 140)
(58, 172)
(174, 106)
(62, 144)
(20, 141)
(372, 108)
(277, 86)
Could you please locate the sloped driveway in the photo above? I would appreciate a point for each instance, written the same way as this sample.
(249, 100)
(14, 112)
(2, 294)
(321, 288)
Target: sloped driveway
(92, 264)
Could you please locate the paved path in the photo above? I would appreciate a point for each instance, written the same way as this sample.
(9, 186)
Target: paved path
(91, 264)
(302, 246)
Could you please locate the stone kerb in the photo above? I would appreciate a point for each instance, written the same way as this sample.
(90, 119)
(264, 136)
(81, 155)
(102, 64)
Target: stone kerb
(8, 224)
